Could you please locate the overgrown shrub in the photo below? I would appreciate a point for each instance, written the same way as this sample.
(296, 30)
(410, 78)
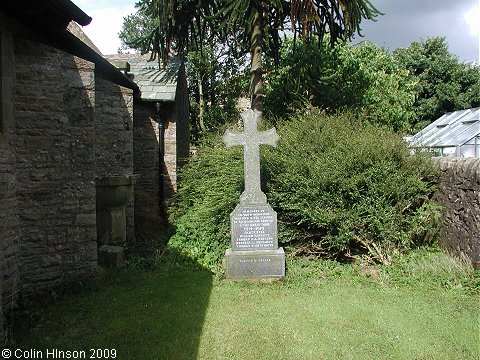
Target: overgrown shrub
(211, 184)
(339, 187)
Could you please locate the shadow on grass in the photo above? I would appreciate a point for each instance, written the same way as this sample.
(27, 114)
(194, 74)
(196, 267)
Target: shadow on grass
(148, 310)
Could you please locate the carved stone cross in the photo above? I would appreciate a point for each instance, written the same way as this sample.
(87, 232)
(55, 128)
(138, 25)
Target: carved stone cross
(251, 139)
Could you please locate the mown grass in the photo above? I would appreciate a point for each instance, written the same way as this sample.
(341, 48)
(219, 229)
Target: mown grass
(423, 307)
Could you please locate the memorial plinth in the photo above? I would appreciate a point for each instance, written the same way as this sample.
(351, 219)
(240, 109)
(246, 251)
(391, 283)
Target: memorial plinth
(254, 252)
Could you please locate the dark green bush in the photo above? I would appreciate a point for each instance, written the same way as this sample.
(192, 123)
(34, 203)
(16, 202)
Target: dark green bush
(339, 187)
(343, 187)
(211, 184)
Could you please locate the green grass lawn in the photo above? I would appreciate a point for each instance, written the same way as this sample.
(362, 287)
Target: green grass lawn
(424, 307)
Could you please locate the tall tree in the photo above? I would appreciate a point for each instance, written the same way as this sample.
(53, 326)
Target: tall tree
(215, 82)
(210, 63)
(363, 78)
(261, 24)
(252, 26)
(444, 83)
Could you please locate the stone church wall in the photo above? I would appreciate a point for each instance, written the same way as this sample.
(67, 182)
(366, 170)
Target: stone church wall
(114, 137)
(61, 127)
(182, 137)
(146, 135)
(54, 143)
(148, 195)
(459, 194)
(9, 220)
(177, 139)
(170, 159)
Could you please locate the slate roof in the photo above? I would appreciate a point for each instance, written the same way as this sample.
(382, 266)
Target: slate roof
(155, 82)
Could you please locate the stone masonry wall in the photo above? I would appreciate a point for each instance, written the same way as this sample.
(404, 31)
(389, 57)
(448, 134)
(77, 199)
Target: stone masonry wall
(182, 116)
(177, 139)
(146, 163)
(54, 142)
(9, 230)
(150, 195)
(3, 341)
(170, 159)
(459, 194)
(114, 137)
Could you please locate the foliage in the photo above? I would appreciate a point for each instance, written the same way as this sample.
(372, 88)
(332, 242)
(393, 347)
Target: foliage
(215, 81)
(249, 26)
(188, 25)
(215, 76)
(339, 188)
(210, 186)
(133, 26)
(349, 188)
(443, 83)
(165, 25)
(364, 78)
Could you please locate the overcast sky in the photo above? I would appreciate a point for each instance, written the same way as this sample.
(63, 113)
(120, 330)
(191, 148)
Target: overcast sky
(412, 20)
(404, 21)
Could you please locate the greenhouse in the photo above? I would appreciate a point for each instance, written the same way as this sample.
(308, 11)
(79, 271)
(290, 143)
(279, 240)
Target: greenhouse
(455, 134)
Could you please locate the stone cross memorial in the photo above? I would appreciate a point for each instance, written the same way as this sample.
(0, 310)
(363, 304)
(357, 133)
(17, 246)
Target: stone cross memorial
(254, 252)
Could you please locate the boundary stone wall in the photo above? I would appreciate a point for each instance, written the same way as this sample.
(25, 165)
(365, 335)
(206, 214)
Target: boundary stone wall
(459, 194)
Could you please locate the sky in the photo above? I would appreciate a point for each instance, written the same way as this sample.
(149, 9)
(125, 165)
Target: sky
(404, 21)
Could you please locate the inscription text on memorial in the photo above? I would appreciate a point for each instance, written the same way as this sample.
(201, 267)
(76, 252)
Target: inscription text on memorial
(254, 228)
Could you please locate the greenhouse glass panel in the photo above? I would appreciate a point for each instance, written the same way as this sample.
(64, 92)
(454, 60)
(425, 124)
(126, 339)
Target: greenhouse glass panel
(453, 134)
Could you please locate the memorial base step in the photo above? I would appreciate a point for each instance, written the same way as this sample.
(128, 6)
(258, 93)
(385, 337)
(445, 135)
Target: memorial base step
(257, 264)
